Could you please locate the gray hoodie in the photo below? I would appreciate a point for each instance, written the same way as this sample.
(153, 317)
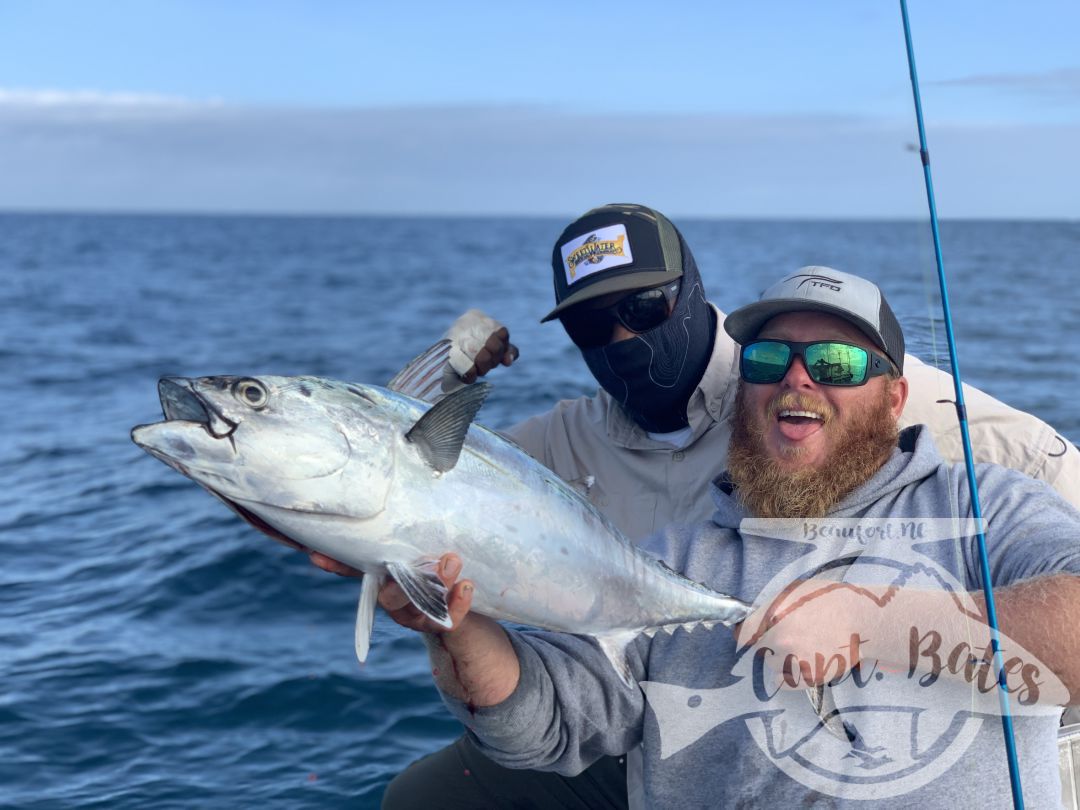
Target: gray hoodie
(570, 708)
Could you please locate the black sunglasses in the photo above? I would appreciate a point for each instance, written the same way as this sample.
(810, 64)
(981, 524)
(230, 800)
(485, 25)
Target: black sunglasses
(828, 362)
(639, 312)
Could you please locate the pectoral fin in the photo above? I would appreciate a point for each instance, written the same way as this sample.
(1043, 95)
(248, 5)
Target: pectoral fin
(365, 613)
(614, 646)
(425, 590)
(440, 433)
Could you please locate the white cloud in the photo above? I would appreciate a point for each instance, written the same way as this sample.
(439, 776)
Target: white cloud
(1065, 81)
(46, 98)
(201, 156)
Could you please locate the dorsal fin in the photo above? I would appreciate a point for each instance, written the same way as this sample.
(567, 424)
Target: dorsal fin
(425, 375)
(440, 433)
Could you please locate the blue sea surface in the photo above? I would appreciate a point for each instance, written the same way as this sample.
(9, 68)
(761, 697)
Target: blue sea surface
(155, 651)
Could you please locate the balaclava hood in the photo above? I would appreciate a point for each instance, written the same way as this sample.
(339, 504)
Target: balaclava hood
(625, 247)
(652, 375)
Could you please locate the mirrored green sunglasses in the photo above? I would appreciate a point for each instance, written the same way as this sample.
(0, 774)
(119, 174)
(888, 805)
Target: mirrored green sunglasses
(829, 362)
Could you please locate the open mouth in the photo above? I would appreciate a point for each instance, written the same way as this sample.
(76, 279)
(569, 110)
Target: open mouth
(796, 425)
(179, 401)
(800, 417)
(182, 402)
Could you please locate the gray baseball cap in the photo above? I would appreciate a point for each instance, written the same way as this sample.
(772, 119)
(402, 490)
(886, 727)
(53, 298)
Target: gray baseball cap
(823, 289)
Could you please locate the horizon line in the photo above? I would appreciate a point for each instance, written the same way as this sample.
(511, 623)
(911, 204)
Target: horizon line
(255, 214)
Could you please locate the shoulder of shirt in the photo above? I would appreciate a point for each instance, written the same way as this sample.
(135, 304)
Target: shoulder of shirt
(1001, 434)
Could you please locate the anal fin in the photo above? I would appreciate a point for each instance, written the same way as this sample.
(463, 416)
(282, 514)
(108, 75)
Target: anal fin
(614, 646)
(821, 698)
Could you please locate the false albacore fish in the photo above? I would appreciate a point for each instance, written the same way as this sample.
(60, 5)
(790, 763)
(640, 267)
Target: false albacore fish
(386, 483)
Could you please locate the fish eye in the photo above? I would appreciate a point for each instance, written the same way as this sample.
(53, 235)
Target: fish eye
(251, 392)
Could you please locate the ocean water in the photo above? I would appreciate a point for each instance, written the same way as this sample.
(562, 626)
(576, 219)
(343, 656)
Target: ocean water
(157, 652)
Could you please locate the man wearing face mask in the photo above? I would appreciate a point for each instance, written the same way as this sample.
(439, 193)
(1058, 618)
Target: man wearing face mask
(645, 447)
(629, 295)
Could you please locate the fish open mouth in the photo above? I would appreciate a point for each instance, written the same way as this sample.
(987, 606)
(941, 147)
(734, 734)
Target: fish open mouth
(180, 402)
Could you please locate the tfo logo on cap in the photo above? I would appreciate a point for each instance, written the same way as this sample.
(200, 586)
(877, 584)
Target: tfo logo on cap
(818, 280)
(602, 249)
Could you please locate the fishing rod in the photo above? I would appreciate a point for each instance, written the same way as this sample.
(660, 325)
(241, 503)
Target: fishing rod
(961, 413)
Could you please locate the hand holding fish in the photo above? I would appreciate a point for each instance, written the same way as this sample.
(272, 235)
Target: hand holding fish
(400, 608)
(474, 660)
(479, 343)
(396, 602)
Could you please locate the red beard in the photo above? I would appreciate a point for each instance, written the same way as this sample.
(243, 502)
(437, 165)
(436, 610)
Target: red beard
(859, 448)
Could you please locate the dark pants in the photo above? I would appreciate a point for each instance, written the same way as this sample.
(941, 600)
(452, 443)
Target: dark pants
(459, 776)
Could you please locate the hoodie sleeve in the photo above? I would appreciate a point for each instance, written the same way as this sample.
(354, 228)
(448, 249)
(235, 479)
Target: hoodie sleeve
(1030, 530)
(569, 708)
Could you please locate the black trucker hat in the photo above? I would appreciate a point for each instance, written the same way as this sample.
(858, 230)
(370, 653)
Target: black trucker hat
(616, 247)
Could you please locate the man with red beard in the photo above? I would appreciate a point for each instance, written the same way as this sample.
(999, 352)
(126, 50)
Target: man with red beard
(821, 389)
(808, 431)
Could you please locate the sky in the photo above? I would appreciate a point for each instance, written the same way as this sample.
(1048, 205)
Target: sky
(786, 109)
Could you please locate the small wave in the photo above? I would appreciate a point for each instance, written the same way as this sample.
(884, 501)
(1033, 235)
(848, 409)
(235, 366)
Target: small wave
(239, 579)
(294, 703)
(154, 490)
(48, 454)
(112, 336)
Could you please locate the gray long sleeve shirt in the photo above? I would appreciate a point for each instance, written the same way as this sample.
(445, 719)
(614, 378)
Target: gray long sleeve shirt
(736, 749)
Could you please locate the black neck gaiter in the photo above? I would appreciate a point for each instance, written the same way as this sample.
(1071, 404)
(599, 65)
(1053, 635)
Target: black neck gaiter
(652, 375)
